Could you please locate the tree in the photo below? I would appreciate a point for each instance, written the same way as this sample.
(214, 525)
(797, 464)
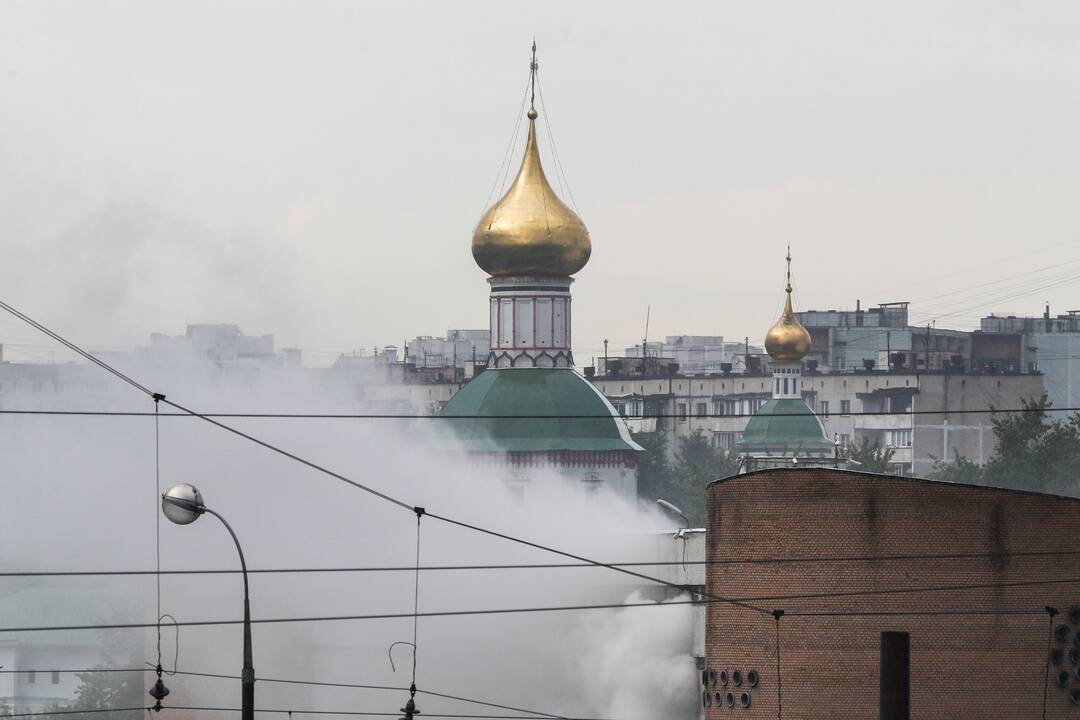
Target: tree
(1031, 453)
(654, 471)
(869, 456)
(100, 692)
(698, 463)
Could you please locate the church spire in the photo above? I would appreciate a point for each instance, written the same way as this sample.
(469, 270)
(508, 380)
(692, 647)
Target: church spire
(787, 340)
(530, 231)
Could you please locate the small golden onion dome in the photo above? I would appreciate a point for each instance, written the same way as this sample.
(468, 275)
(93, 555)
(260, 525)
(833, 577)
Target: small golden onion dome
(787, 341)
(530, 231)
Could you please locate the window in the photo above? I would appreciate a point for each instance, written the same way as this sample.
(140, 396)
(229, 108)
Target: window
(824, 406)
(681, 411)
(845, 440)
(898, 438)
(725, 440)
(31, 677)
(702, 409)
(845, 407)
(895, 678)
(55, 677)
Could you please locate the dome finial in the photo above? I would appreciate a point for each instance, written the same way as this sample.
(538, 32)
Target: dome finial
(532, 83)
(787, 341)
(530, 231)
(789, 269)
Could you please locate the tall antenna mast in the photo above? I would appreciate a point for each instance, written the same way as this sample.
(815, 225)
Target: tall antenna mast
(645, 340)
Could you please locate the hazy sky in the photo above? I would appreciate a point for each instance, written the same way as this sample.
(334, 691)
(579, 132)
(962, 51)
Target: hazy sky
(315, 169)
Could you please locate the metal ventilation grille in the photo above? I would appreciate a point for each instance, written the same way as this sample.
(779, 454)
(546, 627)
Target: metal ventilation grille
(729, 688)
(1065, 655)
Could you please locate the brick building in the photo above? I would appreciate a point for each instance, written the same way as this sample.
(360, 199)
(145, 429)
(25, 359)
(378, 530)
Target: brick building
(850, 558)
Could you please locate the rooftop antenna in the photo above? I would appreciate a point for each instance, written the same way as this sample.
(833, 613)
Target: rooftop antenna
(645, 340)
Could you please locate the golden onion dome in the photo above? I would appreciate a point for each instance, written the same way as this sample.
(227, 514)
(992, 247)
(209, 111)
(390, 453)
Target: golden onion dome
(530, 231)
(787, 341)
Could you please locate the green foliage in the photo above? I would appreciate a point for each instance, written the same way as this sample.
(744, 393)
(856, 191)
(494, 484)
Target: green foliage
(654, 472)
(1032, 453)
(682, 483)
(871, 457)
(100, 691)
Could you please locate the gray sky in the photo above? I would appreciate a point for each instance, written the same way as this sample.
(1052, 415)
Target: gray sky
(316, 169)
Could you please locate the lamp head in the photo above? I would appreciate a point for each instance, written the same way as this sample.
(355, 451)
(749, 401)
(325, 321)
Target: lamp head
(182, 504)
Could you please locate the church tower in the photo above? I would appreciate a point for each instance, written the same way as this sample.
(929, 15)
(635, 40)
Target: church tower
(530, 411)
(785, 431)
(530, 243)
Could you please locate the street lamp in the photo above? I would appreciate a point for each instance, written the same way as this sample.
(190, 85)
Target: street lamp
(183, 504)
(673, 510)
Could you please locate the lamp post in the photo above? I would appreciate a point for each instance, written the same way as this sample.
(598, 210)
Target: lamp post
(674, 511)
(183, 504)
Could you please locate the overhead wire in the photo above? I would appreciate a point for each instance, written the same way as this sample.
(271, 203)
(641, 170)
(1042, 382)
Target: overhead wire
(315, 683)
(549, 566)
(743, 602)
(548, 416)
(361, 713)
(560, 171)
(504, 166)
(320, 468)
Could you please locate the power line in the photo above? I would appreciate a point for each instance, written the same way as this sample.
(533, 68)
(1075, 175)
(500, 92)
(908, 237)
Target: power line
(192, 708)
(402, 416)
(315, 466)
(914, 613)
(75, 348)
(738, 601)
(556, 566)
(342, 618)
(317, 683)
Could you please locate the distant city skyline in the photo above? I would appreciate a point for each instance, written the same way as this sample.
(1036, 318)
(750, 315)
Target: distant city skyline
(316, 171)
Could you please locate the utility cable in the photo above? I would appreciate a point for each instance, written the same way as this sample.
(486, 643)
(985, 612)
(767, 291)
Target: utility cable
(315, 683)
(597, 563)
(388, 498)
(549, 416)
(191, 708)
(504, 166)
(360, 486)
(291, 456)
(416, 597)
(705, 598)
(777, 614)
(157, 522)
(554, 149)
(75, 348)
(1050, 613)
(366, 714)
(556, 566)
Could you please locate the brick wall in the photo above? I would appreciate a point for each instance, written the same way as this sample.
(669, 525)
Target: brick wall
(989, 665)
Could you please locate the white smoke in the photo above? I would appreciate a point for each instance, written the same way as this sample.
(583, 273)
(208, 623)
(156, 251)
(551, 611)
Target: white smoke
(80, 493)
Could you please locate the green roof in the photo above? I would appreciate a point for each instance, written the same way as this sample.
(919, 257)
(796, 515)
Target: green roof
(559, 410)
(785, 425)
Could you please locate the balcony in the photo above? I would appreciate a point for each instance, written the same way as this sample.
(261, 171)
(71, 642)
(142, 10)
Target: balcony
(904, 421)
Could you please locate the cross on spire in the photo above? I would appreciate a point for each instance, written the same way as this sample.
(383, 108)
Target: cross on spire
(532, 78)
(789, 268)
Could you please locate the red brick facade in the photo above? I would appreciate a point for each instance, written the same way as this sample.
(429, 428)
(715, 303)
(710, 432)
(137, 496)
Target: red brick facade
(786, 532)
